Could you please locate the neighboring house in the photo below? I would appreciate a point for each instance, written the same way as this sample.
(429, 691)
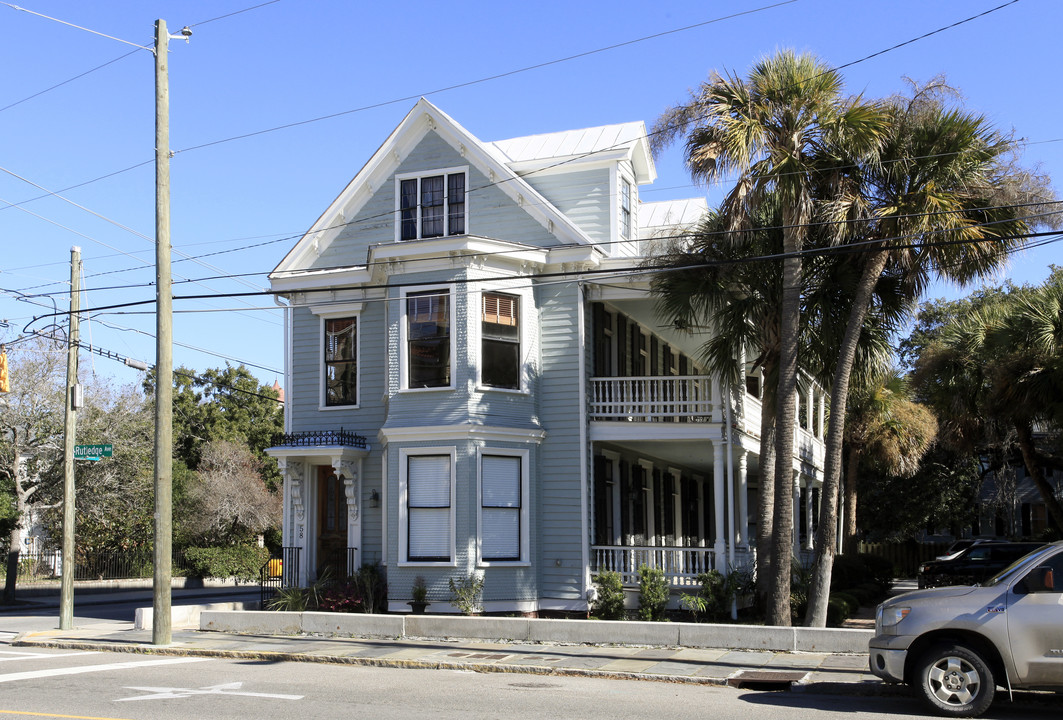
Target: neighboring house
(476, 383)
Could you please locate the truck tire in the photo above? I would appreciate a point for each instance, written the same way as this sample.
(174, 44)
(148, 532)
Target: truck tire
(955, 681)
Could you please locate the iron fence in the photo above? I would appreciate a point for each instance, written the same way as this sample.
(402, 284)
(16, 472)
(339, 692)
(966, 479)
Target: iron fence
(39, 565)
(280, 571)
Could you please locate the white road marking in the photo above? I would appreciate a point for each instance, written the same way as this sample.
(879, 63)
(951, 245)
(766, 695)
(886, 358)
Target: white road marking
(169, 693)
(53, 672)
(27, 655)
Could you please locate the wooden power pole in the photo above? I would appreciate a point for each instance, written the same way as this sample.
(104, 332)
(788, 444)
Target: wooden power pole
(161, 602)
(73, 402)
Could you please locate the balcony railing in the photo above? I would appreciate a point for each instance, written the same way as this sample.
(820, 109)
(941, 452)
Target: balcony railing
(683, 398)
(681, 565)
(320, 438)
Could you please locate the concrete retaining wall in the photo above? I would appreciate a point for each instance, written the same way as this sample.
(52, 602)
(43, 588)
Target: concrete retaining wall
(746, 637)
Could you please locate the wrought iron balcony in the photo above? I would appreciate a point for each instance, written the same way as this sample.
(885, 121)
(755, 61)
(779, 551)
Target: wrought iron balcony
(320, 438)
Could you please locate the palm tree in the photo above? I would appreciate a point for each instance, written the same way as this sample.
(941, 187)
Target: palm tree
(773, 129)
(884, 427)
(938, 191)
(1026, 350)
(712, 278)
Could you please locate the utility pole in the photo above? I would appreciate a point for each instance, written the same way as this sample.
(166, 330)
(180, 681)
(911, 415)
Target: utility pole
(73, 402)
(161, 603)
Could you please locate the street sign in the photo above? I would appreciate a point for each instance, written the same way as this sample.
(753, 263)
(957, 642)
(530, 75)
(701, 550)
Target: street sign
(93, 452)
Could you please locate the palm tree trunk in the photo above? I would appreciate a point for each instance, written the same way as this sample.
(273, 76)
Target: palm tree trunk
(827, 531)
(849, 534)
(765, 495)
(1029, 457)
(783, 524)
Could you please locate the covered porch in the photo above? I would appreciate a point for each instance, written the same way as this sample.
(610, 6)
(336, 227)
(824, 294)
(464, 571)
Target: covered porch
(322, 528)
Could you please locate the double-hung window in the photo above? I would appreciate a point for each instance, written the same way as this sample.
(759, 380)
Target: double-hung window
(341, 361)
(500, 351)
(502, 503)
(428, 339)
(625, 209)
(432, 206)
(428, 508)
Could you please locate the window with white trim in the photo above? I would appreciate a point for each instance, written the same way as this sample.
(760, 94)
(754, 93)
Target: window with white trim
(428, 510)
(500, 341)
(501, 507)
(432, 206)
(341, 361)
(625, 208)
(428, 339)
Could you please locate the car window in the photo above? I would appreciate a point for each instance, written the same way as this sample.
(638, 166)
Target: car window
(979, 554)
(1051, 581)
(1006, 574)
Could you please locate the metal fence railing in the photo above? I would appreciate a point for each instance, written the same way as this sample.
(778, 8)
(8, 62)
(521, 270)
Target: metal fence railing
(280, 571)
(48, 565)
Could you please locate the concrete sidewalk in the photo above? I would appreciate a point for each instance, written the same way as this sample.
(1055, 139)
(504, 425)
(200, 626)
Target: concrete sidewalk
(833, 673)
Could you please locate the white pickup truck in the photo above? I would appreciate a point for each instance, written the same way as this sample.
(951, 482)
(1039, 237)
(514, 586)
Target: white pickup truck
(955, 645)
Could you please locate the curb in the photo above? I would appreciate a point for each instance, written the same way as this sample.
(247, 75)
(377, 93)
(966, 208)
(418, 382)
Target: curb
(274, 656)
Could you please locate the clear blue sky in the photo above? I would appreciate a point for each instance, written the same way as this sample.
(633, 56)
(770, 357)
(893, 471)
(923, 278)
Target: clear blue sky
(291, 61)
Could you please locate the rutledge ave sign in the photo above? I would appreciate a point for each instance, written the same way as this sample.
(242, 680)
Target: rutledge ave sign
(93, 452)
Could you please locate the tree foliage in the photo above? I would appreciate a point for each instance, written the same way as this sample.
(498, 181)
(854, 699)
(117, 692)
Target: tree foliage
(229, 503)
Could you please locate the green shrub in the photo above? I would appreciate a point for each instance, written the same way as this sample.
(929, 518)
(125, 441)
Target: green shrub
(879, 569)
(876, 591)
(851, 603)
(861, 595)
(609, 605)
(242, 562)
(371, 587)
(848, 571)
(837, 611)
(653, 593)
(465, 594)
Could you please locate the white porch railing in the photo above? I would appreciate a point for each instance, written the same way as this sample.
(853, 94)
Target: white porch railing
(685, 398)
(681, 565)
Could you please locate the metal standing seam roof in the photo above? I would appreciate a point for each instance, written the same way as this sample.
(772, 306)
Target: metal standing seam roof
(569, 143)
(671, 213)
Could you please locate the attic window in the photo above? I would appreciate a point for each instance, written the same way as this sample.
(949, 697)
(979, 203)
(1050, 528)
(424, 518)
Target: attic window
(432, 205)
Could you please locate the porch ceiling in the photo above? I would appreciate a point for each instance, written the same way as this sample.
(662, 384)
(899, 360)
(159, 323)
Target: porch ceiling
(693, 454)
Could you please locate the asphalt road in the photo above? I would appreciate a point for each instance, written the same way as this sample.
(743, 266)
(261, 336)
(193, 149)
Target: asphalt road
(126, 686)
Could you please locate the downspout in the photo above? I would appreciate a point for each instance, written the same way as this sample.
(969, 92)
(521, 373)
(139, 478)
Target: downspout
(585, 547)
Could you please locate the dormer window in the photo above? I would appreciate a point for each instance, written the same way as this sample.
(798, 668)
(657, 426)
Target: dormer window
(432, 205)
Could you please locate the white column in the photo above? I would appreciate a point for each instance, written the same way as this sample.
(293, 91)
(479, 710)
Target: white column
(841, 522)
(651, 506)
(718, 475)
(797, 513)
(294, 530)
(351, 473)
(677, 506)
(743, 499)
(822, 414)
(699, 483)
(808, 516)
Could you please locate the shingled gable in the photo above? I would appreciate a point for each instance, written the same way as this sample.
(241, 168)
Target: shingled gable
(421, 120)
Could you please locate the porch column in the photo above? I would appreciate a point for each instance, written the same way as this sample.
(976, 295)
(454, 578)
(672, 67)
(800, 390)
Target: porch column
(822, 414)
(809, 515)
(703, 528)
(797, 513)
(743, 499)
(350, 471)
(718, 476)
(841, 522)
(293, 473)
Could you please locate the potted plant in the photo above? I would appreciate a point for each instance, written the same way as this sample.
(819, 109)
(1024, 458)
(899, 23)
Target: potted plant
(419, 591)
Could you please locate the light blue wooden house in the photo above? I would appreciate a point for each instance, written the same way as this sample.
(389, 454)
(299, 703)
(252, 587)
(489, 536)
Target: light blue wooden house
(478, 385)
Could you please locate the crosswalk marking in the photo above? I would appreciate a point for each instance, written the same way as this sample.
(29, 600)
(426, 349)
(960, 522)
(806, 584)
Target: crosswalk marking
(53, 672)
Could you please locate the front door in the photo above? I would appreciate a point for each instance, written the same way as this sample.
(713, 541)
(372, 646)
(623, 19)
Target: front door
(332, 525)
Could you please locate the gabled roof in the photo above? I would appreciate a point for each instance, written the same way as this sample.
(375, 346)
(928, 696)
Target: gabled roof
(576, 146)
(667, 214)
(421, 120)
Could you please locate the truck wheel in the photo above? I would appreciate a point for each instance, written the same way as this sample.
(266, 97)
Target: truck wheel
(955, 681)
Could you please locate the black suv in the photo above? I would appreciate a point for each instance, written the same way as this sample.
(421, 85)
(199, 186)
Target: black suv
(975, 564)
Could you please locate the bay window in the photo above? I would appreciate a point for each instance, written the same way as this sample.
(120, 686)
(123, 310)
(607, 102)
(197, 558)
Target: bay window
(428, 339)
(500, 342)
